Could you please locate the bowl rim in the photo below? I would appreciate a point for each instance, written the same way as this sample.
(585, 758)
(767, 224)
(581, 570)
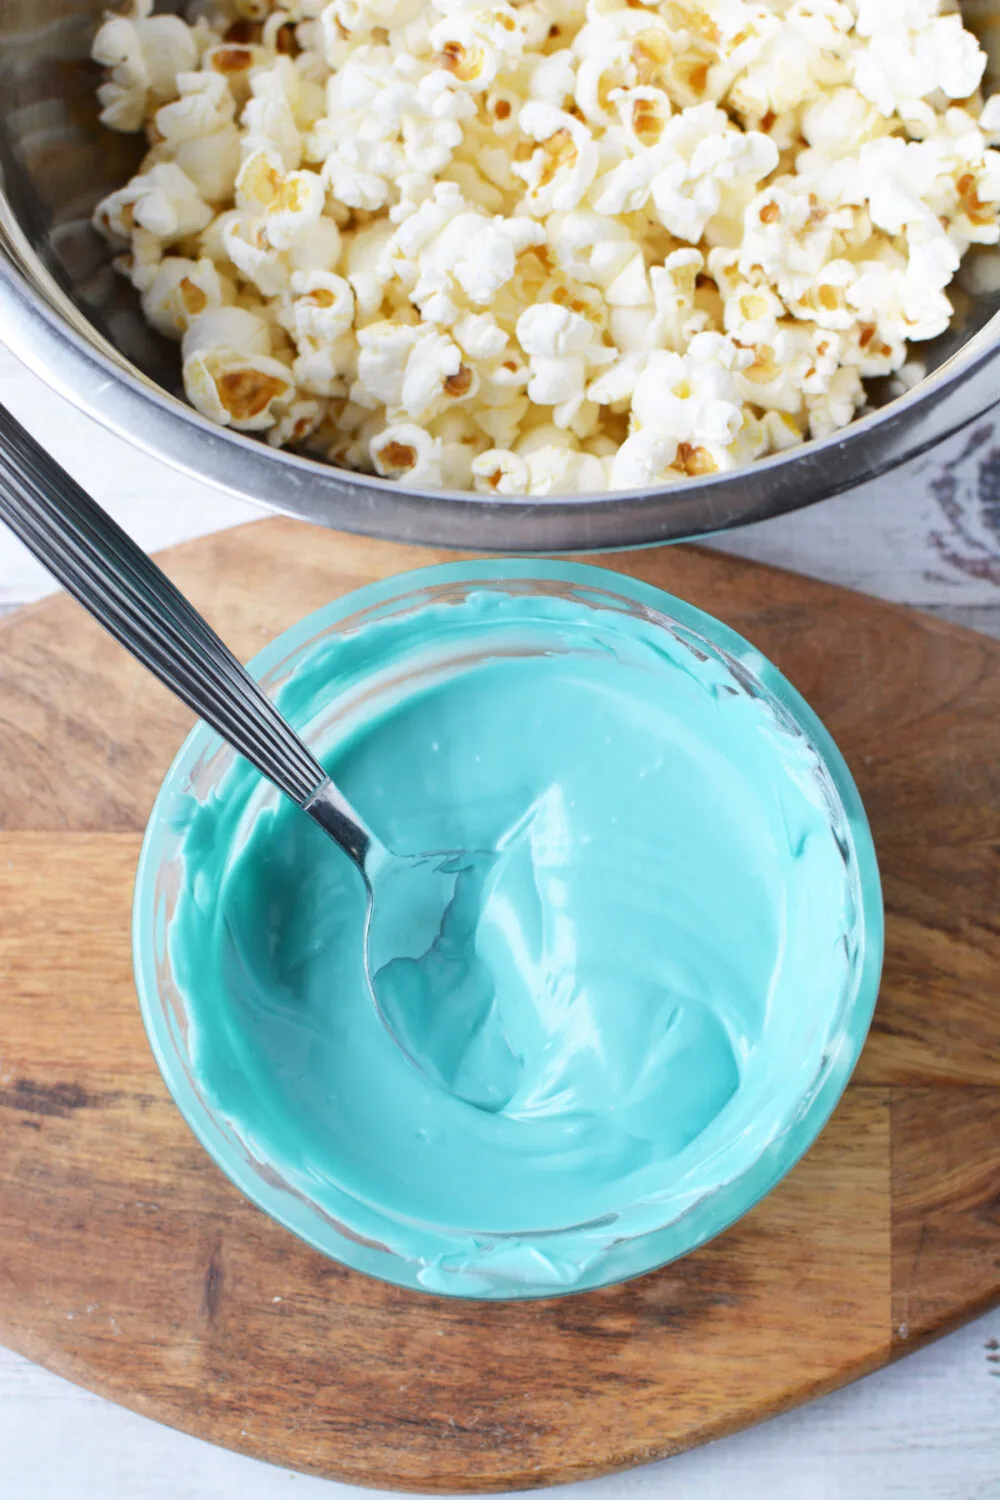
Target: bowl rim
(627, 1258)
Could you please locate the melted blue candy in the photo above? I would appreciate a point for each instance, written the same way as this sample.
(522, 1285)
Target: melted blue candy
(665, 929)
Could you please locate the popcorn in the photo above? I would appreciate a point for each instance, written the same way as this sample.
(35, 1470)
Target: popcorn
(472, 45)
(434, 370)
(229, 374)
(501, 424)
(553, 79)
(280, 107)
(163, 201)
(897, 305)
(364, 249)
(837, 406)
(686, 414)
(500, 472)
(290, 202)
(543, 466)
(406, 451)
(548, 248)
(316, 247)
(699, 167)
(784, 61)
(565, 164)
(199, 132)
(180, 290)
(141, 263)
(789, 234)
(620, 48)
(827, 302)
(385, 348)
(445, 250)
(645, 458)
(551, 330)
(356, 19)
(480, 336)
(989, 120)
(591, 248)
(894, 176)
(671, 323)
(322, 308)
(837, 122)
(295, 423)
(327, 369)
(752, 313)
(462, 442)
(914, 52)
(234, 63)
(143, 55)
(563, 348)
(693, 397)
(244, 238)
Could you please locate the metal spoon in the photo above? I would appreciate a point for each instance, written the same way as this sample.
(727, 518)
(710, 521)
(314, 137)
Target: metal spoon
(438, 1004)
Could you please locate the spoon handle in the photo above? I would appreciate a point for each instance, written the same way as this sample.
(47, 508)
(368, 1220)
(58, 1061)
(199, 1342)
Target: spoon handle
(100, 565)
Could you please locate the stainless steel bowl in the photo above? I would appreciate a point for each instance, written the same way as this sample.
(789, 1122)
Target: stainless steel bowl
(78, 326)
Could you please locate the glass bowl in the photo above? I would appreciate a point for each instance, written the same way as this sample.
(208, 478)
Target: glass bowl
(743, 1167)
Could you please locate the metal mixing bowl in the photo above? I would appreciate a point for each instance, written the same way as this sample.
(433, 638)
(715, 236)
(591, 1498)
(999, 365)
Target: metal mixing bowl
(78, 326)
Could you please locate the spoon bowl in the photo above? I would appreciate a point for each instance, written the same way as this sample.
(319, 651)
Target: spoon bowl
(434, 992)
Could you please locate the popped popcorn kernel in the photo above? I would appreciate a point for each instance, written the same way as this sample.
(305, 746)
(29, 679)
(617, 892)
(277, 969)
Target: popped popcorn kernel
(180, 290)
(142, 55)
(553, 247)
(405, 451)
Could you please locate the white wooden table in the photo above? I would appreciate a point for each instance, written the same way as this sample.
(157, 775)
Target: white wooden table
(927, 1429)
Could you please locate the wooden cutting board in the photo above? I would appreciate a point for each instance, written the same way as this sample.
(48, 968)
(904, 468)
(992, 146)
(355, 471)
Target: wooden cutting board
(129, 1264)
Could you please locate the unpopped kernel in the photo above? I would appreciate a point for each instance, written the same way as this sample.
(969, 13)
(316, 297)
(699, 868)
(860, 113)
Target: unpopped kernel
(554, 247)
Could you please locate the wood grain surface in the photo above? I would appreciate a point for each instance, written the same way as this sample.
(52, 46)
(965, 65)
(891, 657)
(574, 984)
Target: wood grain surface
(128, 1263)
